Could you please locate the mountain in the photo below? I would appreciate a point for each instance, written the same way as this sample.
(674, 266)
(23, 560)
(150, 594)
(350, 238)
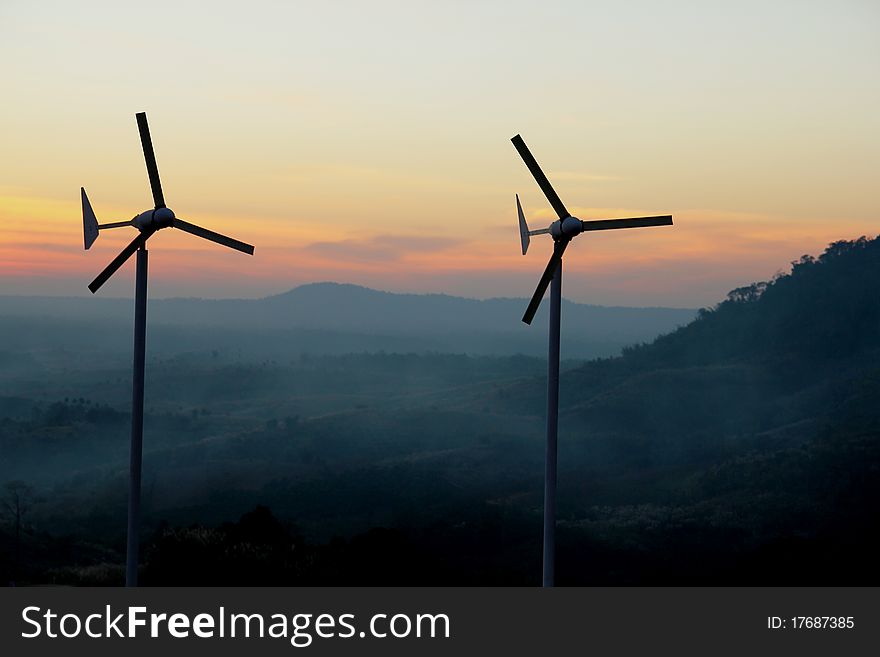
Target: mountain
(337, 318)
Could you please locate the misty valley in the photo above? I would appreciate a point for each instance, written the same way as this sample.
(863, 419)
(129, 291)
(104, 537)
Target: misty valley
(399, 439)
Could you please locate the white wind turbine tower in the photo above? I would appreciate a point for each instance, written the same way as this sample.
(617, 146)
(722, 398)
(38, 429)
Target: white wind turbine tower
(562, 231)
(147, 223)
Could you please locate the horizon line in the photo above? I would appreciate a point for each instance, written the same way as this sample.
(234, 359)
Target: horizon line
(524, 299)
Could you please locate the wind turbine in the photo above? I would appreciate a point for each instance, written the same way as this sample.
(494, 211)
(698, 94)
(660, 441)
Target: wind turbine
(147, 222)
(562, 231)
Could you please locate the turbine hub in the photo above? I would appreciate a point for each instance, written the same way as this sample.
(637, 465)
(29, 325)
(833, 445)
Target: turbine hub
(163, 217)
(566, 228)
(571, 226)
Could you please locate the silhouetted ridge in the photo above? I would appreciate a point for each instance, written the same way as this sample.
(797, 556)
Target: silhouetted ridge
(825, 307)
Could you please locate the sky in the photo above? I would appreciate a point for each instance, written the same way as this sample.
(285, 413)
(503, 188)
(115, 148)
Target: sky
(369, 142)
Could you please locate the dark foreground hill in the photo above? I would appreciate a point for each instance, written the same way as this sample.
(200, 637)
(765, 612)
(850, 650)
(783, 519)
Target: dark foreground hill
(743, 448)
(750, 437)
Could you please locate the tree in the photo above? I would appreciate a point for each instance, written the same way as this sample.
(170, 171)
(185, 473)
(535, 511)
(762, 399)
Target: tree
(17, 501)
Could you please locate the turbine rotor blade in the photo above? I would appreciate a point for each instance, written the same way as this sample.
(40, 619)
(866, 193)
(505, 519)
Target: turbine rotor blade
(633, 222)
(546, 277)
(118, 261)
(150, 157)
(212, 236)
(539, 176)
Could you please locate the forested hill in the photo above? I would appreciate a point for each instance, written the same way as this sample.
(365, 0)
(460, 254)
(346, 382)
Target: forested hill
(825, 308)
(789, 350)
(750, 437)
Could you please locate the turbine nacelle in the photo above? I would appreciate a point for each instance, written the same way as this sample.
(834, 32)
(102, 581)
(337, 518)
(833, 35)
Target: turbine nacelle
(154, 219)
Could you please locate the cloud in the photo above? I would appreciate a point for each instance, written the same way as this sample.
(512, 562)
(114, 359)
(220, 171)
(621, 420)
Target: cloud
(696, 262)
(583, 176)
(383, 248)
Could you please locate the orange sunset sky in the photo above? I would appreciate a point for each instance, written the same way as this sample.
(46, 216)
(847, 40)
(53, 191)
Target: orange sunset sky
(369, 142)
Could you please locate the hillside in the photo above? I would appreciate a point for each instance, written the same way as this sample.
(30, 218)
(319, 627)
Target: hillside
(742, 448)
(758, 424)
(818, 325)
(825, 308)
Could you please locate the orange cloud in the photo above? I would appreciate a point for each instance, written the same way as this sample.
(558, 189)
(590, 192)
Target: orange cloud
(695, 262)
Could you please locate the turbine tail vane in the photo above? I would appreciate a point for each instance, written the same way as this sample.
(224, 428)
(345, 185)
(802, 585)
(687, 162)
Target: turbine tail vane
(90, 221)
(523, 227)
